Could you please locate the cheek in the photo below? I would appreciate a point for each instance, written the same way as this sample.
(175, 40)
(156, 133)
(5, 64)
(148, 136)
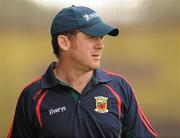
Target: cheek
(80, 54)
(83, 54)
(82, 49)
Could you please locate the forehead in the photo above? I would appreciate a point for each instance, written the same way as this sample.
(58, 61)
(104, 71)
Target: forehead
(80, 36)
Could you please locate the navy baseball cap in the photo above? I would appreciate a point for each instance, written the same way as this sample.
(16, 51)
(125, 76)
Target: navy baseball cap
(83, 19)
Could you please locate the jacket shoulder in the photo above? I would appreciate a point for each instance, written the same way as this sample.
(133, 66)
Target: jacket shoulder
(32, 88)
(116, 77)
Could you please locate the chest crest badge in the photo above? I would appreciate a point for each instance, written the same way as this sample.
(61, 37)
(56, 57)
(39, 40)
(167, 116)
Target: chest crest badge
(101, 104)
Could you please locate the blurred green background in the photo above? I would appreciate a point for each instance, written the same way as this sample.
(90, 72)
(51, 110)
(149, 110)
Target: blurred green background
(147, 53)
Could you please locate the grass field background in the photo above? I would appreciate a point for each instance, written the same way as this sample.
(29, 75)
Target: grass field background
(148, 56)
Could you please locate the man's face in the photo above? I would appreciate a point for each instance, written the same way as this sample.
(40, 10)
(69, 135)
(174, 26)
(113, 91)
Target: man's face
(85, 51)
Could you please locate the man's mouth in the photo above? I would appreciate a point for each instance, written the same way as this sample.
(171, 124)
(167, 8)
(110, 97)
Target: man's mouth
(96, 56)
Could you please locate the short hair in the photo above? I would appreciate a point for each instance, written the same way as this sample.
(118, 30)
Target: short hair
(56, 49)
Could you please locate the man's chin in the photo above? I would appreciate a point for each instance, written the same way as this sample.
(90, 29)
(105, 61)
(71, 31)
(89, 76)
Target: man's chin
(95, 67)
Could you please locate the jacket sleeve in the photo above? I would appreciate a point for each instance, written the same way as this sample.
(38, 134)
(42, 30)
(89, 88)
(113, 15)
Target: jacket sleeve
(135, 123)
(23, 123)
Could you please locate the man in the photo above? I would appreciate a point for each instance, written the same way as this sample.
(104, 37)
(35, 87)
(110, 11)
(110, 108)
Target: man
(75, 98)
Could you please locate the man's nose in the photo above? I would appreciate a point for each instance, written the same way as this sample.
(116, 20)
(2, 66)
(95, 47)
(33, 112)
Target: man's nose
(99, 43)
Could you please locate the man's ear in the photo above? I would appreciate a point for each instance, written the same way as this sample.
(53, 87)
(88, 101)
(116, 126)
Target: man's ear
(63, 42)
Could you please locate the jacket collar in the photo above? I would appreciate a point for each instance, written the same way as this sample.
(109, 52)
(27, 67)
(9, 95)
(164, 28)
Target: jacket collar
(49, 80)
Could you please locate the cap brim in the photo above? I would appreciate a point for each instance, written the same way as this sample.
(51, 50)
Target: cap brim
(100, 29)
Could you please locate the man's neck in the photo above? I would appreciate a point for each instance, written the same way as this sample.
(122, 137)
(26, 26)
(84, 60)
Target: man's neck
(77, 79)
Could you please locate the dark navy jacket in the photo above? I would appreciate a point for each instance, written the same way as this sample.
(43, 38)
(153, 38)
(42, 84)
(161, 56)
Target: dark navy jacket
(107, 108)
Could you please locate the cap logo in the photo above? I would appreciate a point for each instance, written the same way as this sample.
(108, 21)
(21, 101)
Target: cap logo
(101, 104)
(88, 17)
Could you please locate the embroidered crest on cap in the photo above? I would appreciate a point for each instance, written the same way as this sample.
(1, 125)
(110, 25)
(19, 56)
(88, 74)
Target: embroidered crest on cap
(101, 104)
(90, 16)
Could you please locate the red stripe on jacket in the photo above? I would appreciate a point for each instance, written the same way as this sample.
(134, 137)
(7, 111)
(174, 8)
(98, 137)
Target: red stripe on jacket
(38, 113)
(117, 98)
(10, 131)
(35, 96)
(118, 101)
(141, 114)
